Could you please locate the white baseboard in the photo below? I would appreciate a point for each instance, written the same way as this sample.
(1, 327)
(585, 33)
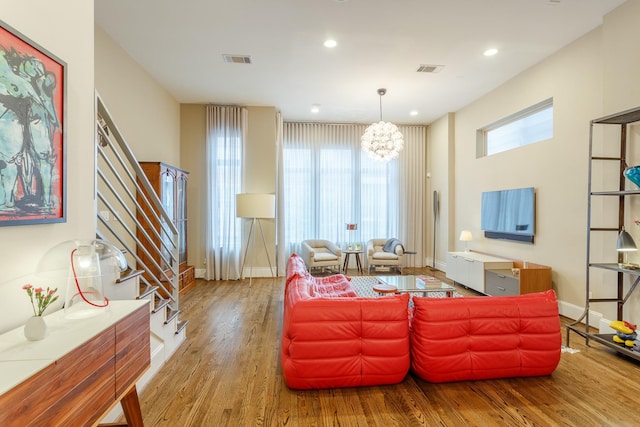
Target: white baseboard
(573, 311)
(258, 272)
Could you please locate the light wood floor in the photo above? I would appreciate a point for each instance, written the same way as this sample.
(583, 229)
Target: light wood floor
(228, 373)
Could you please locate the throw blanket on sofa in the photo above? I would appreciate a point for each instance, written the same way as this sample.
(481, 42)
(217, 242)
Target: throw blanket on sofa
(390, 245)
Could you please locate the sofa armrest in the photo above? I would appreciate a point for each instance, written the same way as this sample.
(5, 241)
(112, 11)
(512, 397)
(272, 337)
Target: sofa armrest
(334, 248)
(307, 252)
(370, 249)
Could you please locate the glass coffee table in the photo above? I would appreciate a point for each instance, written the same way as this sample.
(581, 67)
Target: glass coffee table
(424, 284)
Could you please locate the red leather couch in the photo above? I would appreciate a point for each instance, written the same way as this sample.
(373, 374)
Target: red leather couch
(331, 338)
(474, 338)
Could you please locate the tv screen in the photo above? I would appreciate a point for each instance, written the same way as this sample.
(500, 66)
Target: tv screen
(509, 214)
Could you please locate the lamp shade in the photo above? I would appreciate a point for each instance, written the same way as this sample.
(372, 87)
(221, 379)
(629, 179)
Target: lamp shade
(625, 242)
(466, 236)
(255, 205)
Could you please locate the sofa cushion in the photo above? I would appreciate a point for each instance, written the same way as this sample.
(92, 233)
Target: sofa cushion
(471, 338)
(295, 268)
(345, 342)
(385, 255)
(325, 256)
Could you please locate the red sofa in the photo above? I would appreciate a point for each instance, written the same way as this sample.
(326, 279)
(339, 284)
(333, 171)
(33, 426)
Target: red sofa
(474, 338)
(331, 338)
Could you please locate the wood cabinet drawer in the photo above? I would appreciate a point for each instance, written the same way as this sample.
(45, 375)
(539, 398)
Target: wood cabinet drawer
(501, 283)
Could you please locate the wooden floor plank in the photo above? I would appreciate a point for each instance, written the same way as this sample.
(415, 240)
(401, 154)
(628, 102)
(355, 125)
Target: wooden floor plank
(228, 373)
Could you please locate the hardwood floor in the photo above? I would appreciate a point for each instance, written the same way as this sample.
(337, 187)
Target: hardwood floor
(228, 373)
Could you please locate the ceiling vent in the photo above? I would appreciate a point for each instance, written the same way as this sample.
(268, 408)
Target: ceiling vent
(429, 68)
(237, 59)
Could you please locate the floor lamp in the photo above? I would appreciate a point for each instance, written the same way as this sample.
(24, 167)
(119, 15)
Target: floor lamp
(255, 206)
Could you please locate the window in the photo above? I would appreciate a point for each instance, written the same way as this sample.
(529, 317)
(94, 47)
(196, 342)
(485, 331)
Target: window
(328, 181)
(531, 125)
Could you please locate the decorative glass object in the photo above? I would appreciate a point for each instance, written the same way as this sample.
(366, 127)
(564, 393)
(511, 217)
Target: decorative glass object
(81, 267)
(633, 174)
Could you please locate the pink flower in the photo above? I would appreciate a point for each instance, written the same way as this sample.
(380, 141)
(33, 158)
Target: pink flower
(42, 299)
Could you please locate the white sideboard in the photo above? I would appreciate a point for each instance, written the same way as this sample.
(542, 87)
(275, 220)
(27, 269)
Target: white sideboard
(79, 372)
(468, 268)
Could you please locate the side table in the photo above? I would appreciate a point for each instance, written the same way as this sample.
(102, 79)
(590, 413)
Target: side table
(355, 252)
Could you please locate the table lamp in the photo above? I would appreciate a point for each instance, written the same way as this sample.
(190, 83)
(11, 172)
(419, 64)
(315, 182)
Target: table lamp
(466, 237)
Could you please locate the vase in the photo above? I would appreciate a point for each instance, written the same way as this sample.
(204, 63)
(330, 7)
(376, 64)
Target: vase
(633, 174)
(35, 329)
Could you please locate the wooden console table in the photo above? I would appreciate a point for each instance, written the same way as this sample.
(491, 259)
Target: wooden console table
(79, 372)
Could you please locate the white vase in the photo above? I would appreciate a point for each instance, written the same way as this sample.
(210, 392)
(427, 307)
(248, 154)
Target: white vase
(35, 329)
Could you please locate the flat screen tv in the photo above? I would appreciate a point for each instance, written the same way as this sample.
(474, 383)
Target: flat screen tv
(509, 214)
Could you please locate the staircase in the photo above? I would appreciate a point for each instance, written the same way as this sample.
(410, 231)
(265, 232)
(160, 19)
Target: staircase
(129, 211)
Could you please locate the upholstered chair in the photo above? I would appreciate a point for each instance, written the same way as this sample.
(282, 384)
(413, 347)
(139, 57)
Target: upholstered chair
(321, 254)
(378, 257)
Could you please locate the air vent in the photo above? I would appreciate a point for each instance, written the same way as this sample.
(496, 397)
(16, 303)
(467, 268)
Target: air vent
(430, 68)
(237, 59)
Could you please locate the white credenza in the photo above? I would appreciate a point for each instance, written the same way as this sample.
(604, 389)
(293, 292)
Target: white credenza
(79, 372)
(468, 268)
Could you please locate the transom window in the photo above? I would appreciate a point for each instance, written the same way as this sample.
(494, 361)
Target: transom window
(531, 125)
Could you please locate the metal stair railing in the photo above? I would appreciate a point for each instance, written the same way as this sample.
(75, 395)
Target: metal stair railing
(131, 213)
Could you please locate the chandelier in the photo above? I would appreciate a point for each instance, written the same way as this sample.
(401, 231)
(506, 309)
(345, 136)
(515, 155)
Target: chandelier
(382, 140)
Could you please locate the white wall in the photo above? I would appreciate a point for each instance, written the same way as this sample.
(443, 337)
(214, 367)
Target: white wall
(580, 77)
(66, 30)
(146, 114)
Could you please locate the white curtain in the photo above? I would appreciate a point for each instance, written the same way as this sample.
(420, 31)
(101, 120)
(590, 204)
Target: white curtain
(226, 132)
(281, 255)
(328, 182)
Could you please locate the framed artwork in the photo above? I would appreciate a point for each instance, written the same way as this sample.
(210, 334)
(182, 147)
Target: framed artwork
(32, 132)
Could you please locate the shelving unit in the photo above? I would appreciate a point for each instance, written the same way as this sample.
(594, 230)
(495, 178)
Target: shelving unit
(620, 120)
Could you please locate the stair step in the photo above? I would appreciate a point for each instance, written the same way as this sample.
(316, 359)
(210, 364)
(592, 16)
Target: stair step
(160, 304)
(172, 315)
(183, 324)
(147, 291)
(128, 274)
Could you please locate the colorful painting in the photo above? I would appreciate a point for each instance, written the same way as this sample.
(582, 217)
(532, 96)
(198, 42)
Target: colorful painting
(32, 140)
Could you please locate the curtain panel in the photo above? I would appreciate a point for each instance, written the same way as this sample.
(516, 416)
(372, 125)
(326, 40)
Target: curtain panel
(328, 181)
(226, 133)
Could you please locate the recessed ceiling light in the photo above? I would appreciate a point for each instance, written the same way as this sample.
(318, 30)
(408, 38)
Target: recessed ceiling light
(413, 113)
(330, 43)
(490, 52)
(315, 108)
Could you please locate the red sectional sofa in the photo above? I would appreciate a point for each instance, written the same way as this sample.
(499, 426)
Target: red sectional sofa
(474, 338)
(332, 338)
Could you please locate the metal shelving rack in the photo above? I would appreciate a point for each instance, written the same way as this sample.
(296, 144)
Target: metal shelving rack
(621, 119)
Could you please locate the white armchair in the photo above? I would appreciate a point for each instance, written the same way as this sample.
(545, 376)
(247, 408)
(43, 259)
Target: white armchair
(378, 257)
(321, 254)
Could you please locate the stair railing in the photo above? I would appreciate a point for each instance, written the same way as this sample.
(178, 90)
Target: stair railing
(131, 214)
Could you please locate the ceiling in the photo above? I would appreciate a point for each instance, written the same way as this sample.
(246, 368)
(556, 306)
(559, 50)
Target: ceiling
(381, 44)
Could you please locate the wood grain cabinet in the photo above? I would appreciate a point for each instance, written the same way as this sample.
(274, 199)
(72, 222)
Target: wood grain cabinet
(529, 278)
(79, 372)
(170, 185)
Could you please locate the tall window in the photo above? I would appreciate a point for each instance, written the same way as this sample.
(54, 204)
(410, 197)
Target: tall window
(329, 181)
(531, 125)
(226, 130)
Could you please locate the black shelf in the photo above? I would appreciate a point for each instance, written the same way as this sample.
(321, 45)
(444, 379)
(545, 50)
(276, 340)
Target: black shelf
(624, 117)
(614, 267)
(606, 340)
